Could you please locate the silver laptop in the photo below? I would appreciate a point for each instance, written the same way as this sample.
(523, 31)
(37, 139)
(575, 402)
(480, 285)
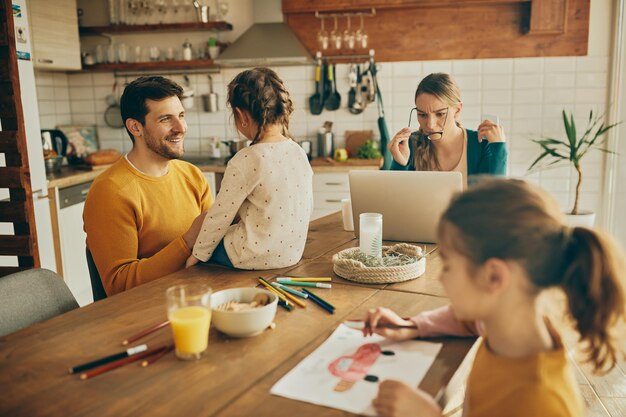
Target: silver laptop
(411, 202)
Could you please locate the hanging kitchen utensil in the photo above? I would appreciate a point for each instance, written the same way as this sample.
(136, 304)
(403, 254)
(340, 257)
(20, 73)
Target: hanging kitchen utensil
(334, 99)
(188, 94)
(382, 124)
(210, 100)
(112, 115)
(358, 105)
(352, 82)
(316, 102)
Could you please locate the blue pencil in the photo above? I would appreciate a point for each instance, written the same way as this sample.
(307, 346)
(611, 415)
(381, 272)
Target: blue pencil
(319, 301)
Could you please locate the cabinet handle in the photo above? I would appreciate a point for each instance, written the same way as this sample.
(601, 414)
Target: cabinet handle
(45, 61)
(333, 201)
(334, 183)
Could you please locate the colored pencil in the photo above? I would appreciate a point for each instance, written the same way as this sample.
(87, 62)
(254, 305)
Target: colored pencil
(320, 301)
(360, 325)
(290, 290)
(274, 290)
(145, 332)
(285, 305)
(157, 356)
(290, 297)
(108, 359)
(309, 279)
(121, 362)
(305, 284)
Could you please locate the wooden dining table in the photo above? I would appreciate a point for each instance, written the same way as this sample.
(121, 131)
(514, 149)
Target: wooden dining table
(234, 376)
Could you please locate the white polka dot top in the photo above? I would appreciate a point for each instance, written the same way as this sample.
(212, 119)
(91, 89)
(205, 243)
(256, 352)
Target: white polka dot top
(269, 188)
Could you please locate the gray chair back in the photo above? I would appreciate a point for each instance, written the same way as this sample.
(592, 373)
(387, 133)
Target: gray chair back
(97, 289)
(31, 296)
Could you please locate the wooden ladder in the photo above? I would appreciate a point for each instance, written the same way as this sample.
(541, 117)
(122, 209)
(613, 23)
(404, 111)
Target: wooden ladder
(15, 177)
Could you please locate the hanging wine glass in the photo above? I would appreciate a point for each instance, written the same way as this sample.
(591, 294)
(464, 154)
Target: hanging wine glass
(348, 34)
(335, 36)
(322, 36)
(361, 35)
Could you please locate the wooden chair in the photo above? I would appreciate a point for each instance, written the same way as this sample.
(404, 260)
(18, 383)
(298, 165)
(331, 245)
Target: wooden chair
(31, 296)
(97, 289)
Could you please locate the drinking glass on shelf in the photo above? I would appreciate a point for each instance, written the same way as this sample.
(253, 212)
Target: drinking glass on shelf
(111, 54)
(322, 36)
(189, 313)
(161, 7)
(122, 53)
(155, 52)
(371, 234)
(174, 6)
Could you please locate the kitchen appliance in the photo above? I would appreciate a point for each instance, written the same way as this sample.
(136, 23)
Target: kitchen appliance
(56, 140)
(34, 146)
(72, 238)
(209, 101)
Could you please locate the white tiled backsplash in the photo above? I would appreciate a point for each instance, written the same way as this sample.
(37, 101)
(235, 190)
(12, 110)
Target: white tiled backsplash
(527, 94)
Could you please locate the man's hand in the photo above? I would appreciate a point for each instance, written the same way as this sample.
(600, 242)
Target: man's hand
(191, 235)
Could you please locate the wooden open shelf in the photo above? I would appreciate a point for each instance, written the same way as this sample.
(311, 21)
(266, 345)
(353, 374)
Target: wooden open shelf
(152, 66)
(164, 27)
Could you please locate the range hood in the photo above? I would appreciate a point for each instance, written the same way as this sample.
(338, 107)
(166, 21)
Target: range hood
(269, 41)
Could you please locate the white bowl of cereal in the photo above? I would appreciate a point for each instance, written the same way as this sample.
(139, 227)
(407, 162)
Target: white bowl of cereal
(243, 312)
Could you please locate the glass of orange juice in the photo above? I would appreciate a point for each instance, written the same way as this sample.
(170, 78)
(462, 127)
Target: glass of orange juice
(189, 312)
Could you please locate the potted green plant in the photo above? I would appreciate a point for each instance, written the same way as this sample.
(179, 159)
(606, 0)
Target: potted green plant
(571, 151)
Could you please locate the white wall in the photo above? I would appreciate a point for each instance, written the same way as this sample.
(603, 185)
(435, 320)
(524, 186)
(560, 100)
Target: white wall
(527, 94)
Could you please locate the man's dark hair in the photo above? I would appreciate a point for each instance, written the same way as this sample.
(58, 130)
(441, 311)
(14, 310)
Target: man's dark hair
(133, 101)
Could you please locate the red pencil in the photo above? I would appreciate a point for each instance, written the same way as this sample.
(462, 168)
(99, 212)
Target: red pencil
(157, 356)
(145, 332)
(121, 362)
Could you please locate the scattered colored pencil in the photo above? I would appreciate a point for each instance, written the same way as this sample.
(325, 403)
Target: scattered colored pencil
(145, 332)
(308, 279)
(120, 362)
(289, 290)
(108, 359)
(320, 302)
(305, 284)
(291, 297)
(274, 290)
(157, 356)
(360, 325)
(285, 305)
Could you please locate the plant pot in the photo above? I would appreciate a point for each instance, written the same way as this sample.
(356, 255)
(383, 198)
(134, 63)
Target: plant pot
(582, 219)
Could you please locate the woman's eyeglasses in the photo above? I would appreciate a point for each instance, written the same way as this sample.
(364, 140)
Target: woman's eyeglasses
(433, 135)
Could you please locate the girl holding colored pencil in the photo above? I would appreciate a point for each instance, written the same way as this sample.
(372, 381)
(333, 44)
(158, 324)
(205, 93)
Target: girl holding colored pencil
(260, 218)
(502, 243)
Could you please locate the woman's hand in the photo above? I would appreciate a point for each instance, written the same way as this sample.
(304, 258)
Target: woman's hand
(191, 261)
(490, 132)
(381, 315)
(397, 399)
(399, 146)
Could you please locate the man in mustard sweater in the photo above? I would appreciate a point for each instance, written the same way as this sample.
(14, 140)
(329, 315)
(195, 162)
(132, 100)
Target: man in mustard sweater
(143, 214)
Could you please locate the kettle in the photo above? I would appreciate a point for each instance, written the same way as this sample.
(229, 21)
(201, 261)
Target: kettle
(53, 139)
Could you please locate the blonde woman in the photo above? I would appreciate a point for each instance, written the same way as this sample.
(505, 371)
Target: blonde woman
(442, 143)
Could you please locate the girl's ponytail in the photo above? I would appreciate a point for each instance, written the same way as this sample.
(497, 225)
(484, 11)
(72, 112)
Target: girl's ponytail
(592, 264)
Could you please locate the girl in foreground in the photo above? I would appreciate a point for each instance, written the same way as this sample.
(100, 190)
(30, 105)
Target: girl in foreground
(502, 243)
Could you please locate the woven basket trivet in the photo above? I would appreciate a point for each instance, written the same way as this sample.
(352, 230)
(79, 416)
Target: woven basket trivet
(353, 270)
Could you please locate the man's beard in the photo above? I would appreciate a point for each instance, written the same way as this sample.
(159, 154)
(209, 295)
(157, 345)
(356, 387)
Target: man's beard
(160, 147)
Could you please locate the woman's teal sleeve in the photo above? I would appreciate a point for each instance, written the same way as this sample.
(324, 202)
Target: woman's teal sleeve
(494, 159)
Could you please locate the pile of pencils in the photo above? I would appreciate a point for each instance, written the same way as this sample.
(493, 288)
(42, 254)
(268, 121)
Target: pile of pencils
(288, 296)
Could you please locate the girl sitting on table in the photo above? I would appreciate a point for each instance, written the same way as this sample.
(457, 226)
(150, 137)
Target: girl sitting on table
(442, 143)
(260, 218)
(502, 243)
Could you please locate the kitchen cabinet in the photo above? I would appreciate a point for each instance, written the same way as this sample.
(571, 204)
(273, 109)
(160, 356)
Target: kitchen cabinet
(54, 34)
(456, 29)
(328, 191)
